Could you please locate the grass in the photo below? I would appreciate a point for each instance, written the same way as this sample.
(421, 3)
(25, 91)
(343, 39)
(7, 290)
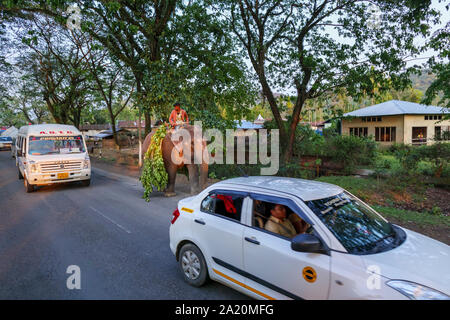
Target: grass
(420, 218)
(394, 199)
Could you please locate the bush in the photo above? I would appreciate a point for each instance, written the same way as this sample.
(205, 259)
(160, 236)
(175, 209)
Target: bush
(438, 154)
(295, 170)
(407, 156)
(426, 160)
(308, 142)
(351, 151)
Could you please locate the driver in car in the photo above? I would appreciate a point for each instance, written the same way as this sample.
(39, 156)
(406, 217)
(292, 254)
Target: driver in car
(287, 227)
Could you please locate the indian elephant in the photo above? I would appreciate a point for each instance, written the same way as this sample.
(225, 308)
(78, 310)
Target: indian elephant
(198, 170)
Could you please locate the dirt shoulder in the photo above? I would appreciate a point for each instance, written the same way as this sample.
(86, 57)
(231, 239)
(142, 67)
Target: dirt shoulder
(108, 165)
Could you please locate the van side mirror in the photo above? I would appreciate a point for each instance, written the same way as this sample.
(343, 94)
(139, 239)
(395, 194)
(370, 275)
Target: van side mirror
(308, 243)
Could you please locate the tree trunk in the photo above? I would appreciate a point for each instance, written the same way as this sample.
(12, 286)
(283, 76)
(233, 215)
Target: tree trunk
(148, 122)
(287, 156)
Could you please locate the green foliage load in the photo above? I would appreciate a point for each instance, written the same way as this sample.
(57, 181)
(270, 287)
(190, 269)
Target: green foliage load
(154, 173)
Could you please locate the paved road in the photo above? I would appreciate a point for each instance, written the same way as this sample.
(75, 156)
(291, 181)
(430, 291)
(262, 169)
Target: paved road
(119, 241)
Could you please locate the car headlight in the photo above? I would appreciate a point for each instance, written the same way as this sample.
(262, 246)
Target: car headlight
(33, 167)
(416, 291)
(86, 162)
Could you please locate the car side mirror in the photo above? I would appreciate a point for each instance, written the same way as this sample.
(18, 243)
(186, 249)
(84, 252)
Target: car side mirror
(308, 243)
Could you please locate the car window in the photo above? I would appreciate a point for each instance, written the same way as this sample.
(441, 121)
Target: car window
(355, 225)
(289, 227)
(229, 206)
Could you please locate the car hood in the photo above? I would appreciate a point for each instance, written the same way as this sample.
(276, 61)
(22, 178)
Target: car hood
(419, 259)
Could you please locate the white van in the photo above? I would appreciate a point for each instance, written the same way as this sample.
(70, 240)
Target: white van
(51, 153)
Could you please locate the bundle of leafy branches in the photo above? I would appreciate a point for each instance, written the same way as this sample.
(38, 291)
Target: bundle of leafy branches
(154, 173)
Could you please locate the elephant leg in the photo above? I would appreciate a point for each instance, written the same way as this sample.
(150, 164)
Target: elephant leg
(193, 178)
(172, 173)
(203, 175)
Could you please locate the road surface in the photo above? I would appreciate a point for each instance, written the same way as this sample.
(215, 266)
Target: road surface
(119, 241)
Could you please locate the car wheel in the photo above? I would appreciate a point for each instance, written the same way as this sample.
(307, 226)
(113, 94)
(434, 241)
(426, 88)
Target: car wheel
(28, 187)
(19, 173)
(86, 183)
(193, 265)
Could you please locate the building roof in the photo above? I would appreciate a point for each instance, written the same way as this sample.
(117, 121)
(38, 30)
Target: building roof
(130, 124)
(245, 125)
(10, 132)
(305, 189)
(85, 127)
(396, 107)
(313, 123)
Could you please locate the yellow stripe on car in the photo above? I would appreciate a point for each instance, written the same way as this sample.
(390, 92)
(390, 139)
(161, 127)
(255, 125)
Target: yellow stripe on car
(243, 285)
(187, 210)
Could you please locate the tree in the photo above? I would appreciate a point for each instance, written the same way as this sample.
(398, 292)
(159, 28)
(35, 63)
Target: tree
(318, 47)
(112, 84)
(132, 31)
(57, 67)
(440, 66)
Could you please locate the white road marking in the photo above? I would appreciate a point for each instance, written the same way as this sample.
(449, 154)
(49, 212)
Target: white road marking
(111, 220)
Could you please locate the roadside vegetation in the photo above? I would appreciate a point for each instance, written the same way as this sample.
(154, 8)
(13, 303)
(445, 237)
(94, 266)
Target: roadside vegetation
(407, 185)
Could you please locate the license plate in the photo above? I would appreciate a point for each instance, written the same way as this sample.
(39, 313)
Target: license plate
(63, 175)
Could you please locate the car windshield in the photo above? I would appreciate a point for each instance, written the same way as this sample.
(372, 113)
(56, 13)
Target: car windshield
(355, 225)
(52, 145)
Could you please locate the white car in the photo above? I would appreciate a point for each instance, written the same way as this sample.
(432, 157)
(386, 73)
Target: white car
(348, 250)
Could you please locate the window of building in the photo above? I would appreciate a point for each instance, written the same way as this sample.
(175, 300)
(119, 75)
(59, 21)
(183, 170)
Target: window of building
(371, 119)
(419, 135)
(385, 134)
(433, 117)
(228, 206)
(360, 132)
(442, 133)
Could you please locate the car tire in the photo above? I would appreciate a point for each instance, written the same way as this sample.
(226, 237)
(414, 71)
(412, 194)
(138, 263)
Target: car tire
(28, 187)
(193, 265)
(86, 183)
(19, 173)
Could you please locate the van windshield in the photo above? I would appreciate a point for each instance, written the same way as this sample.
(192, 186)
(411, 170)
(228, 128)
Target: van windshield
(55, 145)
(355, 225)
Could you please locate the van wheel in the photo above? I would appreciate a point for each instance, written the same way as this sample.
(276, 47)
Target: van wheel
(19, 173)
(193, 265)
(28, 187)
(86, 183)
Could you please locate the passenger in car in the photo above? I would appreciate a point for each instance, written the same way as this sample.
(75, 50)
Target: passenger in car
(300, 225)
(279, 223)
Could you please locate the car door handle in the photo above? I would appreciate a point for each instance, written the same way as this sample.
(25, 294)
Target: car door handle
(200, 221)
(252, 240)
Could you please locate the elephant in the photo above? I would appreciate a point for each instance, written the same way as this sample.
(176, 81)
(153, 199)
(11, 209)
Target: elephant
(198, 171)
